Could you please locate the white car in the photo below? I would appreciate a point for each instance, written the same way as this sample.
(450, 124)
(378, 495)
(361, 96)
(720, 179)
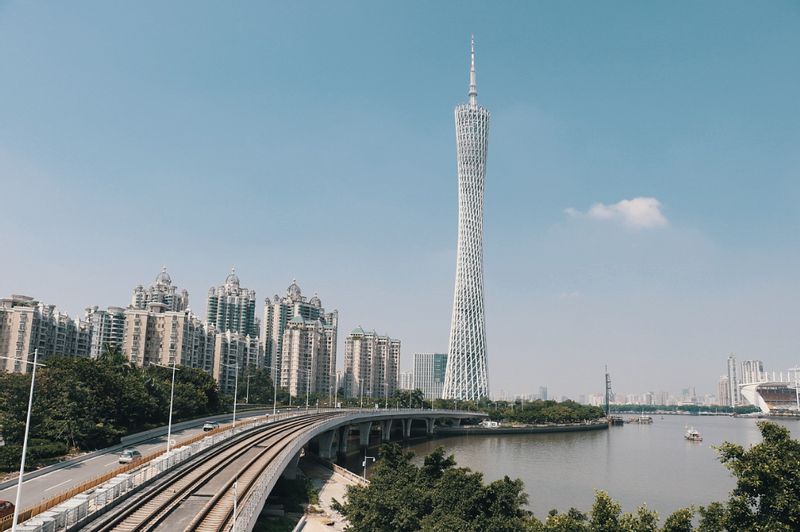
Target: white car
(129, 455)
(210, 425)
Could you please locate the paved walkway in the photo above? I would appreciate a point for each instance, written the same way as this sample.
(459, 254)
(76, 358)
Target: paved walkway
(331, 486)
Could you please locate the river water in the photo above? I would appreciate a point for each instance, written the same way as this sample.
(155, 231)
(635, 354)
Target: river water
(636, 464)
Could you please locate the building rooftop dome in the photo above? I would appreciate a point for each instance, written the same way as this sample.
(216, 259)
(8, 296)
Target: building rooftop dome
(357, 330)
(232, 279)
(293, 291)
(163, 278)
(315, 301)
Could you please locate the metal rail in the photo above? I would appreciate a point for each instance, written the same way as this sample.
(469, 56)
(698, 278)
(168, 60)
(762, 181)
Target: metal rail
(217, 513)
(149, 509)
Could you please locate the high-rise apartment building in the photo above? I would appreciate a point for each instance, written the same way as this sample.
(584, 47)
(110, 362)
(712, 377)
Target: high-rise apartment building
(161, 291)
(278, 311)
(752, 371)
(429, 372)
(308, 359)
(371, 364)
(232, 308)
(234, 351)
(159, 336)
(27, 325)
(734, 394)
(467, 376)
(724, 391)
(107, 329)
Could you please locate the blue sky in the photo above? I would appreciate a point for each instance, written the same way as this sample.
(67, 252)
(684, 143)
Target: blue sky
(315, 141)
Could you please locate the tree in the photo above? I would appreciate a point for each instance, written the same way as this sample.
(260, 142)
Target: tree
(679, 521)
(435, 497)
(261, 390)
(605, 513)
(408, 398)
(767, 492)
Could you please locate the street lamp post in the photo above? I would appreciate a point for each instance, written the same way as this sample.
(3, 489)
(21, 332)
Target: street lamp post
(364, 463)
(274, 388)
(247, 393)
(336, 392)
(25, 438)
(235, 389)
(171, 399)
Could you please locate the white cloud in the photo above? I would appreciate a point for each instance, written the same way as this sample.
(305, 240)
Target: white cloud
(639, 213)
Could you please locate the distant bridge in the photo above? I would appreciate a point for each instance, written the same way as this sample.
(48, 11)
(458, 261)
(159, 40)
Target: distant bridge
(237, 475)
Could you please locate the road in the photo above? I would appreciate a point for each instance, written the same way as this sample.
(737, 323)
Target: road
(51, 484)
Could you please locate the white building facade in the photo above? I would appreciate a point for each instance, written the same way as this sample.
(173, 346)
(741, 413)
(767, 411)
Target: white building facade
(308, 357)
(371, 365)
(27, 325)
(279, 311)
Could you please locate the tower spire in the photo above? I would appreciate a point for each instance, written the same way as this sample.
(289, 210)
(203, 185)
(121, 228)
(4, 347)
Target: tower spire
(473, 88)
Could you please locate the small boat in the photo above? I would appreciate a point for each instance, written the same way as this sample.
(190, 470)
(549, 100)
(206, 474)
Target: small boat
(692, 435)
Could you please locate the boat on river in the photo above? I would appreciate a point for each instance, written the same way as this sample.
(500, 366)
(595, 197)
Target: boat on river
(692, 434)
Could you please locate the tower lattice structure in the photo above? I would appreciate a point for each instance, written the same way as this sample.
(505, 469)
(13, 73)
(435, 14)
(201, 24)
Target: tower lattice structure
(466, 377)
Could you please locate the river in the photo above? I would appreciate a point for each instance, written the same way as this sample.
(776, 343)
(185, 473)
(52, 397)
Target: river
(636, 464)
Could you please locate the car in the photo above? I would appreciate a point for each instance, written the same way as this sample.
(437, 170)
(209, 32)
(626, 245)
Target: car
(129, 455)
(6, 508)
(210, 425)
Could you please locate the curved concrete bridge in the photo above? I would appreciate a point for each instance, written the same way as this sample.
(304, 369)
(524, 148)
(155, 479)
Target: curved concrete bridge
(224, 486)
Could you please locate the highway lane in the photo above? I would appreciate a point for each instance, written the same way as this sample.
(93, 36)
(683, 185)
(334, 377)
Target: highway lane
(51, 484)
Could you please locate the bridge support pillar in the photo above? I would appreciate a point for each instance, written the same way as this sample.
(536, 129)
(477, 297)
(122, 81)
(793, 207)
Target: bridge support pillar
(344, 435)
(457, 422)
(290, 473)
(429, 423)
(386, 430)
(407, 427)
(363, 433)
(326, 444)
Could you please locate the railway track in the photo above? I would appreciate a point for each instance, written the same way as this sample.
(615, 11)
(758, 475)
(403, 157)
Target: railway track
(210, 477)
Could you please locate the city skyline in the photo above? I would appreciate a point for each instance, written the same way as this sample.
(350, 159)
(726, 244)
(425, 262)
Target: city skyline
(641, 213)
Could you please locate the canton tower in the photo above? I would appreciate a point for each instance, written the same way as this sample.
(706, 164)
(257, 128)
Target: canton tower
(466, 376)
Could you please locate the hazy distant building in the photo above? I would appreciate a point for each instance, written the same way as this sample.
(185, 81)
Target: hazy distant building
(232, 308)
(371, 364)
(107, 329)
(161, 291)
(407, 380)
(308, 359)
(429, 372)
(734, 395)
(543, 393)
(27, 325)
(752, 371)
(773, 397)
(278, 311)
(724, 391)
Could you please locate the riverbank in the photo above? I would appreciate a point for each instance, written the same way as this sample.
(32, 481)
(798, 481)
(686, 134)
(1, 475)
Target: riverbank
(331, 484)
(520, 429)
